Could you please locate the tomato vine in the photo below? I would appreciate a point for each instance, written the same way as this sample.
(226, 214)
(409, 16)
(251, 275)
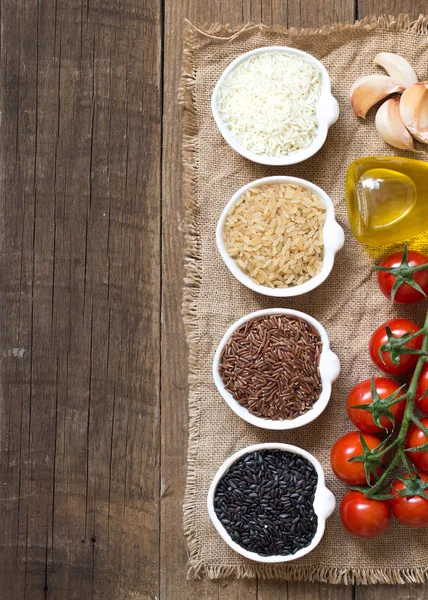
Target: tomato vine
(395, 446)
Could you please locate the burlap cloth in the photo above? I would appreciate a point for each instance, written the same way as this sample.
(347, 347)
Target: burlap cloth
(348, 304)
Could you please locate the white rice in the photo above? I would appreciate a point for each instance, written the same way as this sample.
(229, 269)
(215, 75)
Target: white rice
(269, 103)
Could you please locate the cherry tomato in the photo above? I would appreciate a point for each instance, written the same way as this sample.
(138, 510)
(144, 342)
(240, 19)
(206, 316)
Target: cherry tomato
(416, 437)
(364, 517)
(345, 448)
(409, 510)
(405, 294)
(361, 395)
(406, 361)
(421, 389)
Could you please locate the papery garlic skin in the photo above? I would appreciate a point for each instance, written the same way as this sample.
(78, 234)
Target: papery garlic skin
(397, 67)
(414, 110)
(369, 90)
(390, 126)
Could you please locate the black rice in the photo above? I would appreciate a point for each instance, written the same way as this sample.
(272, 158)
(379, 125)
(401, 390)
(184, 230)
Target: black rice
(270, 366)
(265, 502)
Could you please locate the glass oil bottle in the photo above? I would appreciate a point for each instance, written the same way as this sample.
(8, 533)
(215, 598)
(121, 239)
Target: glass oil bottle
(387, 199)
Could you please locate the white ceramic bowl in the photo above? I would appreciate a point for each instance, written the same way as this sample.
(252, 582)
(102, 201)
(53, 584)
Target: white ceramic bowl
(324, 503)
(327, 111)
(329, 367)
(332, 233)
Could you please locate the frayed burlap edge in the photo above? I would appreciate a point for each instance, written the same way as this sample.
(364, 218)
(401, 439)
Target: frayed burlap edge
(192, 280)
(324, 574)
(194, 39)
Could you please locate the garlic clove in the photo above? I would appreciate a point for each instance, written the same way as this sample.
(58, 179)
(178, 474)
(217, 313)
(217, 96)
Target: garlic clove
(397, 67)
(414, 110)
(369, 90)
(391, 127)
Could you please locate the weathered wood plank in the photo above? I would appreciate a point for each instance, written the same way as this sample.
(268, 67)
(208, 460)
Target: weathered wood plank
(80, 171)
(391, 7)
(237, 589)
(399, 592)
(80, 370)
(317, 14)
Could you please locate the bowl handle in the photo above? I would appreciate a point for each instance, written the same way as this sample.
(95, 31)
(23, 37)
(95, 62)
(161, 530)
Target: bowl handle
(325, 503)
(334, 236)
(330, 365)
(331, 111)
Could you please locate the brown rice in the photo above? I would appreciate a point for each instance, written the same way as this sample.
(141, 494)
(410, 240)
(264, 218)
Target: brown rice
(274, 233)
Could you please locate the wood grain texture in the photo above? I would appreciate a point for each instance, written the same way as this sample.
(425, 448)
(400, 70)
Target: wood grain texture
(93, 407)
(392, 7)
(80, 312)
(384, 592)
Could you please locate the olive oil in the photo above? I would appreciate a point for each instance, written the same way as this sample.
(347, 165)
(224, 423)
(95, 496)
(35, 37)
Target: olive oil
(387, 199)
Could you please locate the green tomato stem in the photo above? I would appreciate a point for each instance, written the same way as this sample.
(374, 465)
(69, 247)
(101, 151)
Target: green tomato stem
(397, 400)
(407, 418)
(416, 334)
(407, 464)
(388, 448)
(418, 268)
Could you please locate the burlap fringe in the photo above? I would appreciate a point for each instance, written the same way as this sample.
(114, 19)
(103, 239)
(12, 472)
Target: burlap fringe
(226, 33)
(324, 574)
(193, 39)
(192, 278)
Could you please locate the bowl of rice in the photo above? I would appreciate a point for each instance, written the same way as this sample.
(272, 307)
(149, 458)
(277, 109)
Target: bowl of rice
(275, 369)
(274, 105)
(269, 502)
(278, 236)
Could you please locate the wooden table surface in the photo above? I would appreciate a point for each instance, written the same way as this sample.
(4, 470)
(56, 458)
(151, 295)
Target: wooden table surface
(93, 427)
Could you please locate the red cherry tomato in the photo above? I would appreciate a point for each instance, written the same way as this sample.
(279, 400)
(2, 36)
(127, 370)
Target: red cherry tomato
(364, 517)
(416, 437)
(421, 389)
(405, 294)
(406, 361)
(409, 510)
(361, 395)
(345, 448)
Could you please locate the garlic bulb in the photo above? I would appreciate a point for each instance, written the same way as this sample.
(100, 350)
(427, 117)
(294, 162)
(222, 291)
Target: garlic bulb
(369, 90)
(391, 127)
(414, 110)
(397, 67)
